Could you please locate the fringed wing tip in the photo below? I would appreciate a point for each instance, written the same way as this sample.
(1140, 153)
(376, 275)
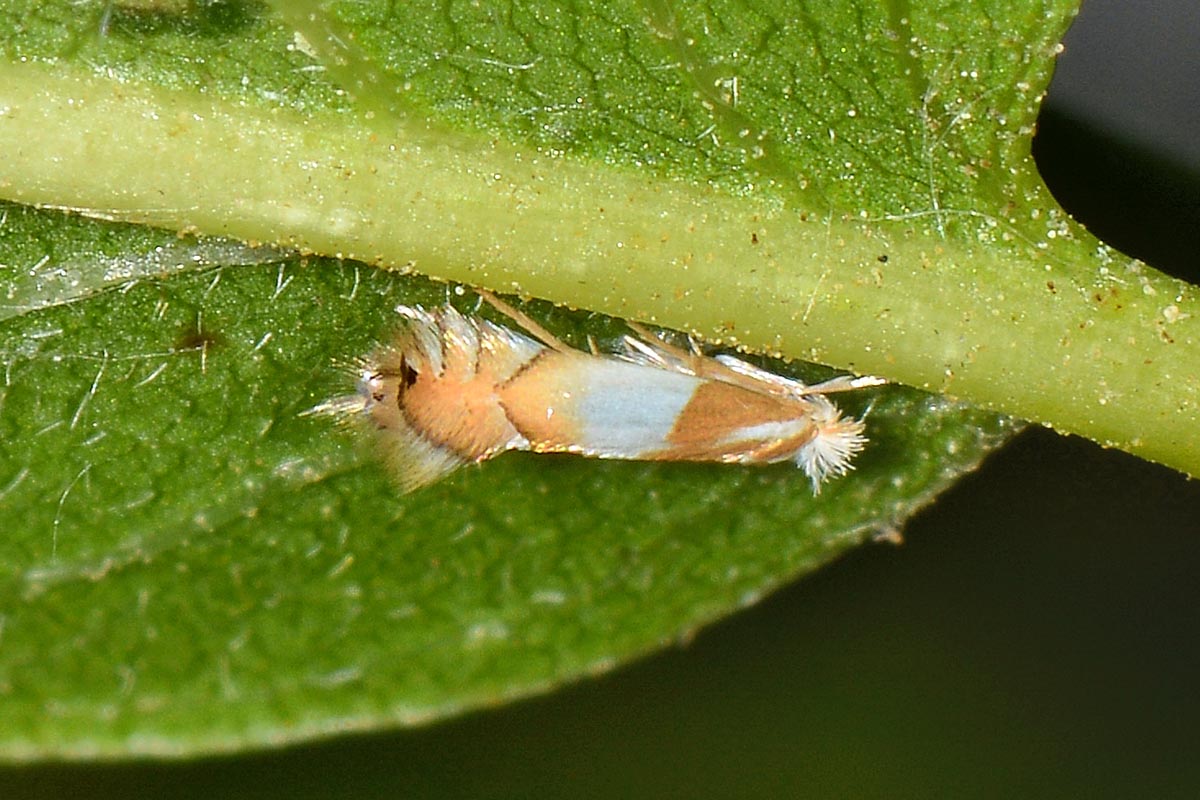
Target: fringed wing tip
(829, 453)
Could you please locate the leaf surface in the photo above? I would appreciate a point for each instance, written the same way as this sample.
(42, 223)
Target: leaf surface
(207, 569)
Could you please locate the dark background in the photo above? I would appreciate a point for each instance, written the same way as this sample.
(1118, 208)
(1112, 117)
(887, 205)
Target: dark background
(1037, 634)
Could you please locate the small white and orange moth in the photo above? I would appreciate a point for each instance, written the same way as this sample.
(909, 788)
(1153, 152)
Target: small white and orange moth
(452, 389)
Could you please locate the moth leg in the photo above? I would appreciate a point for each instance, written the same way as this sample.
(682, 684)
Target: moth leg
(653, 339)
(693, 361)
(845, 383)
(547, 338)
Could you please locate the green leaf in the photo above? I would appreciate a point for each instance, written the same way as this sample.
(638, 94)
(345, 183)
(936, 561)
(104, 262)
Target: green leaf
(204, 568)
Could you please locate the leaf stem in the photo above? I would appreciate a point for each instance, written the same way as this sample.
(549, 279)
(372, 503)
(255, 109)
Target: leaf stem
(1033, 329)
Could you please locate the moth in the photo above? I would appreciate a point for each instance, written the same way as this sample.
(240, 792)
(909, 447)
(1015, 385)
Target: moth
(451, 389)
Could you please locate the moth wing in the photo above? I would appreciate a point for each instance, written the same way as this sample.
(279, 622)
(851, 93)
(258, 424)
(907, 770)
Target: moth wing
(411, 460)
